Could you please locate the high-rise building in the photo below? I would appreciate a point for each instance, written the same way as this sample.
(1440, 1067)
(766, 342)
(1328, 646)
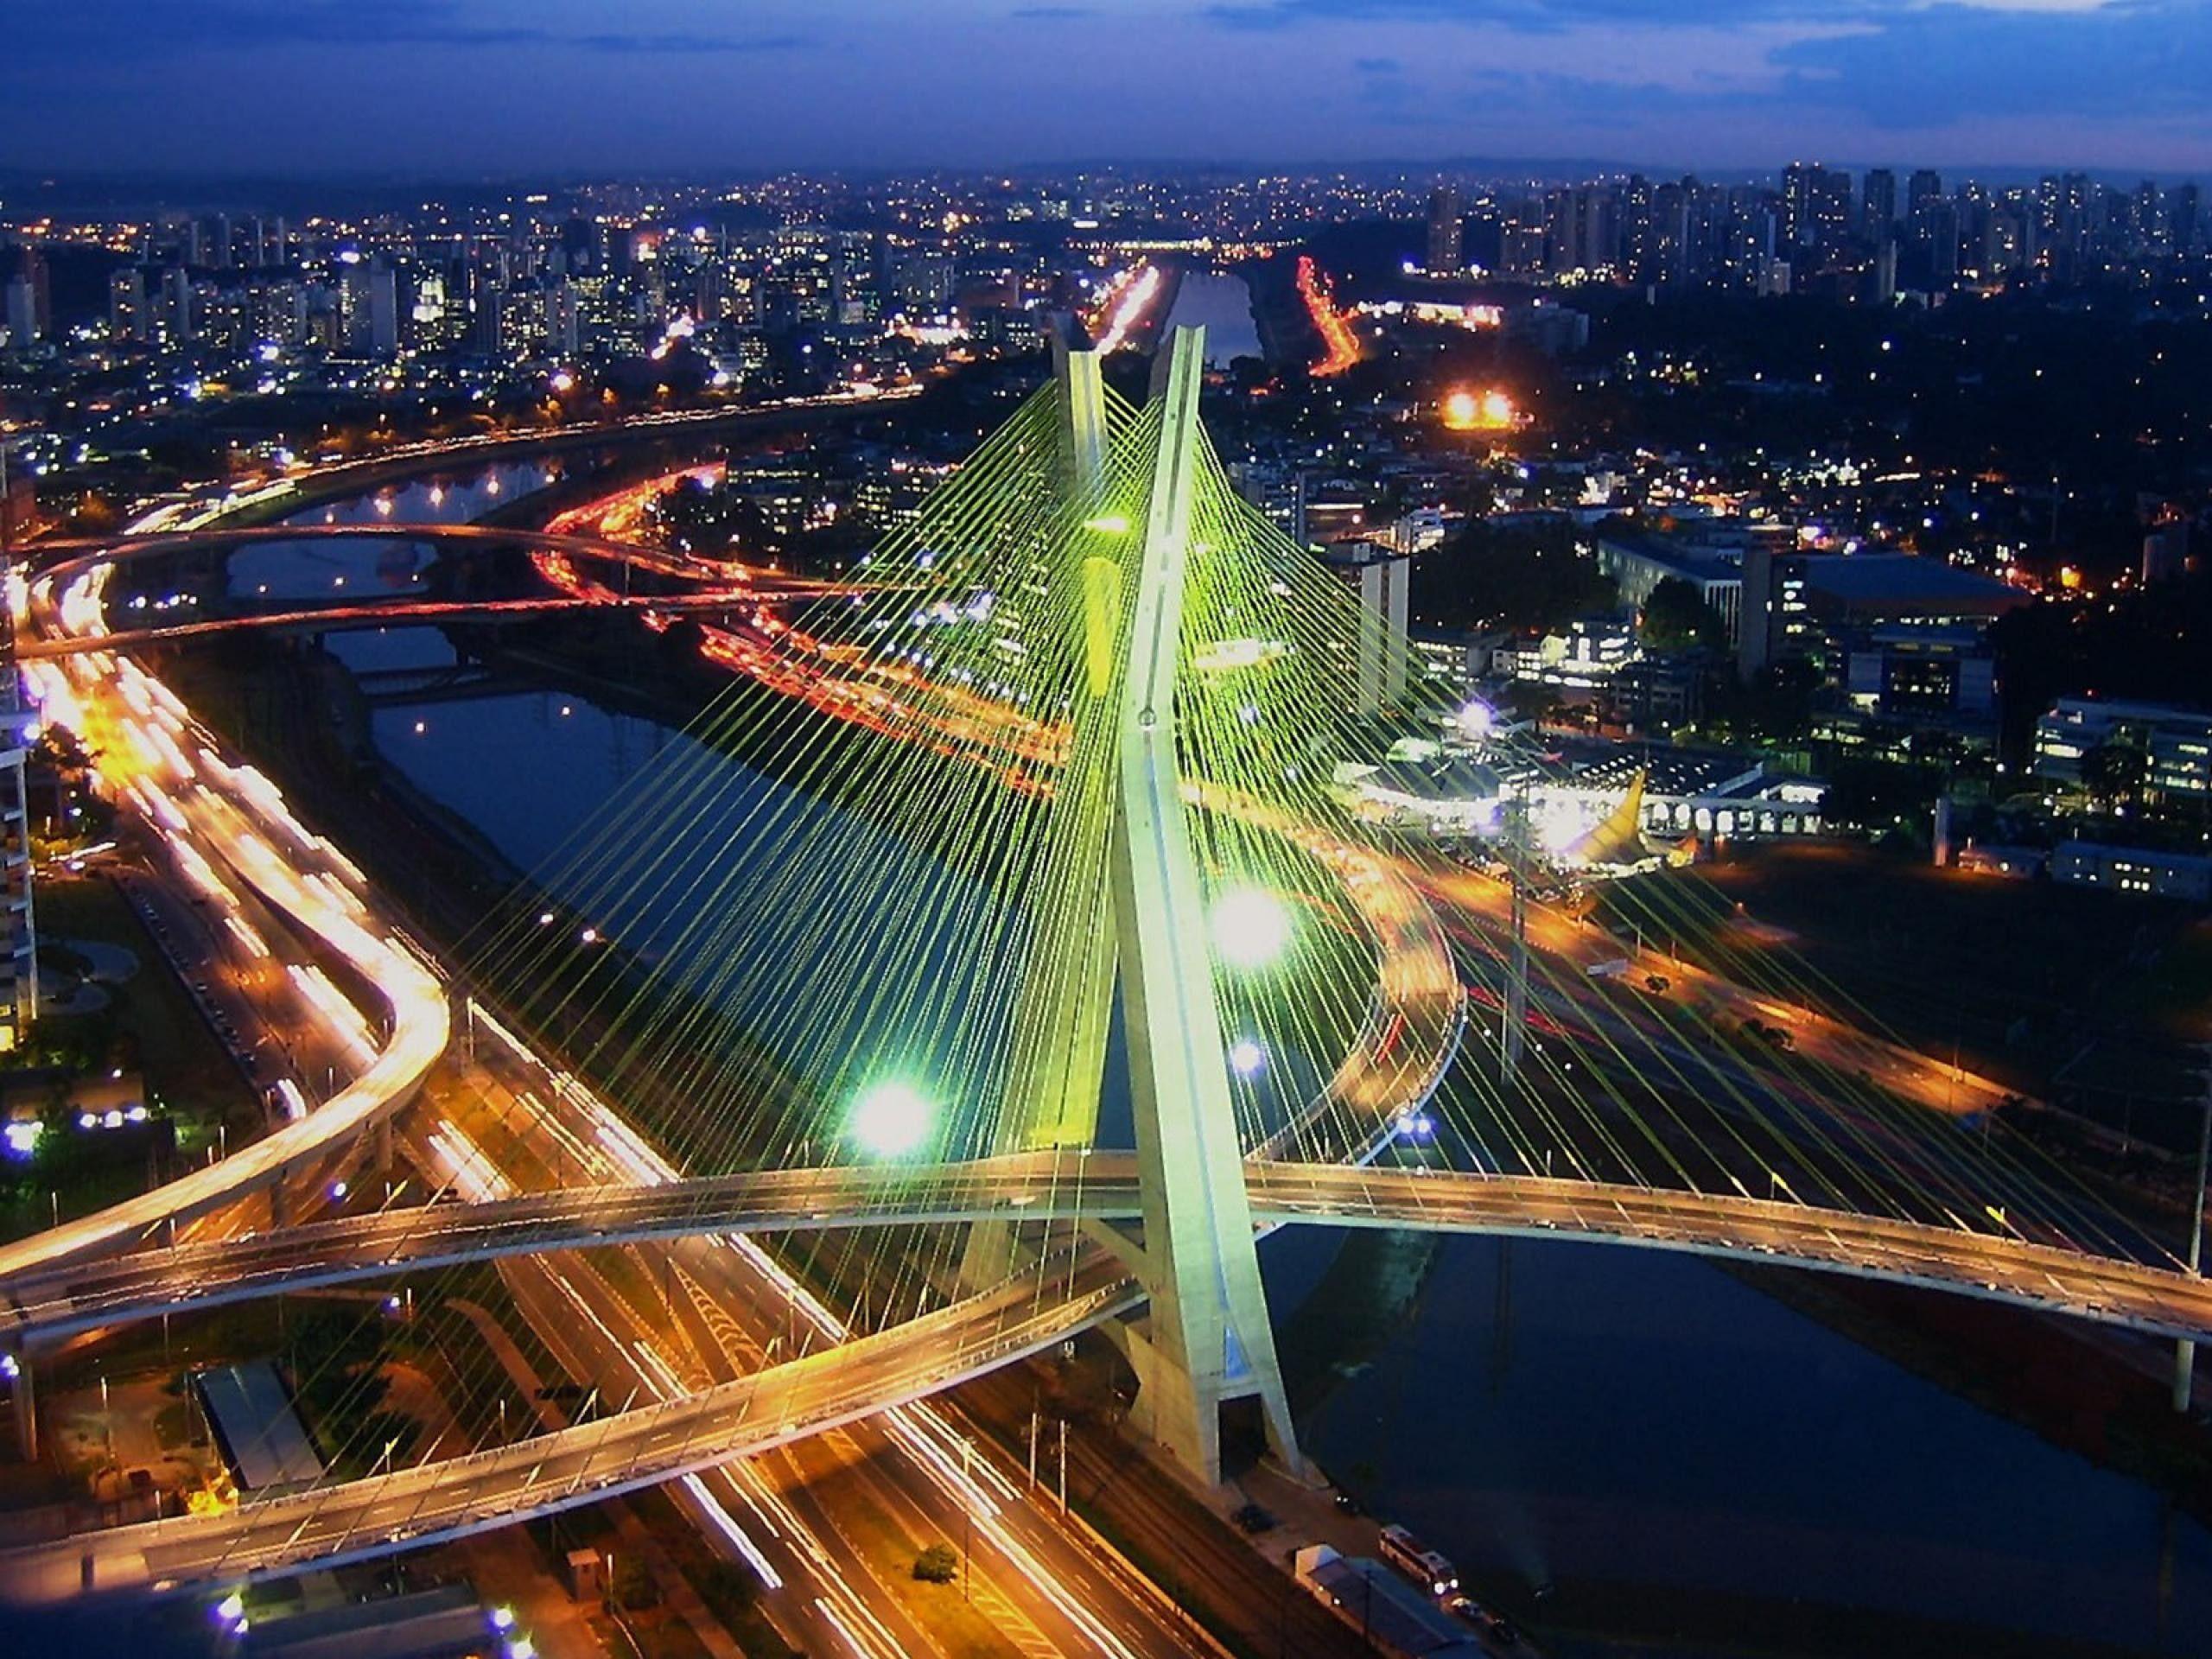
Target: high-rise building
(491, 320)
(1832, 219)
(1878, 211)
(384, 310)
(19, 311)
(1445, 217)
(127, 304)
(561, 320)
(2185, 218)
(179, 310)
(26, 306)
(1797, 204)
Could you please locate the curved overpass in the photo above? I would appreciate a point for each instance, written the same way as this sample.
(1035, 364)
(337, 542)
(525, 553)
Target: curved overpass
(215, 815)
(328, 619)
(86, 551)
(586, 1462)
(589, 1461)
(1065, 1186)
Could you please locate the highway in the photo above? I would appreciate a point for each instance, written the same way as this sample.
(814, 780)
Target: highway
(1068, 1187)
(330, 618)
(214, 818)
(707, 1309)
(585, 1462)
(222, 817)
(1043, 1588)
(84, 553)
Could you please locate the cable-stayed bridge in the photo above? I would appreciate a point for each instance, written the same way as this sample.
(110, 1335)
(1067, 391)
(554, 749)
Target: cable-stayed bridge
(1010, 899)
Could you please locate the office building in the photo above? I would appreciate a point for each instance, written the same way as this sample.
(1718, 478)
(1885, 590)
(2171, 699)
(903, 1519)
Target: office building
(2174, 743)
(127, 304)
(1445, 216)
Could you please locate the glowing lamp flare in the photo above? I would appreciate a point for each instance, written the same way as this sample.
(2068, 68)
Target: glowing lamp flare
(1488, 411)
(891, 1120)
(1250, 928)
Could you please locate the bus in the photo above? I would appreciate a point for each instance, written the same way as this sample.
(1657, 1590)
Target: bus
(1425, 1566)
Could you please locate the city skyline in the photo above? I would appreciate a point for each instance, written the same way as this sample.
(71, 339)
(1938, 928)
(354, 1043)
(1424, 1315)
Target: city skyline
(452, 88)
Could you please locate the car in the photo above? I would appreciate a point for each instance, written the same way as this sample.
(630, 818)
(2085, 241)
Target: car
(1347, 1505)
(1254, 1520)
(1656, 983)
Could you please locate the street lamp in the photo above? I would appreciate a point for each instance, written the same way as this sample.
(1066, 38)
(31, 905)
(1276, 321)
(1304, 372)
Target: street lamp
(891, 1120)
(1250, 928)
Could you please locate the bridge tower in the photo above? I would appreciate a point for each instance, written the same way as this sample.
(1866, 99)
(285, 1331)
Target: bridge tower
(1132, 913)
(1207, 1340)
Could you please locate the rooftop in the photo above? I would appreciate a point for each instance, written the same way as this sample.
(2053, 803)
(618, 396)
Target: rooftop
(1889, 583)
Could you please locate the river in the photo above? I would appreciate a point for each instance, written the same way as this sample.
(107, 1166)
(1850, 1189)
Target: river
(1221, 304)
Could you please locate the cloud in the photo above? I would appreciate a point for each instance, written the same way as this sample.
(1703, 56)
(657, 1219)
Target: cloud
(2148, 58)
(95, 29)
(1053, 14)
(1378, 65)
(1541, 17)
(1891, 64)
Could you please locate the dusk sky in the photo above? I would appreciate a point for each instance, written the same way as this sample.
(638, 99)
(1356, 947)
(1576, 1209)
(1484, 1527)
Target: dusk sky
(460, 87)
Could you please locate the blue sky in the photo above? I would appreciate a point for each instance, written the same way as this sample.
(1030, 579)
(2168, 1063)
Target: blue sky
(458, 87)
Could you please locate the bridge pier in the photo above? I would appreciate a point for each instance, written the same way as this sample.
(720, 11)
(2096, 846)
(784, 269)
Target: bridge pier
(1206, 1339)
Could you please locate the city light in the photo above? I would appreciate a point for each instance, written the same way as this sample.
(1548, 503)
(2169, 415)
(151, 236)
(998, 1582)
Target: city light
(1488, 411)
(1250, 928)
(1340, 345)
(891, 1120)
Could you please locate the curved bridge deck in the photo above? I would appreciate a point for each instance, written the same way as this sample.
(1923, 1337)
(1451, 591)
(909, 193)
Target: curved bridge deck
(1062, 1186)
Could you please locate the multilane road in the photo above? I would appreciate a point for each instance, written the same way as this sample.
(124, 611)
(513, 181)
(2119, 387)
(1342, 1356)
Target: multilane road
(587, 1461)
(1060, 1186)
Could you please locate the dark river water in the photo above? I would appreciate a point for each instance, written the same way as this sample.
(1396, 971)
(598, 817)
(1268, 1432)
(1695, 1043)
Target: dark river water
(1541, 1411)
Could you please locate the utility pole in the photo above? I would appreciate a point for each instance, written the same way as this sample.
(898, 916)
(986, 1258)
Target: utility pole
(1515, 1036)
(2185, 1351)
(967, 1511)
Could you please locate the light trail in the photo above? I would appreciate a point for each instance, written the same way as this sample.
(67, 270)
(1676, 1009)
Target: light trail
(1123, 305)
(1339, 344)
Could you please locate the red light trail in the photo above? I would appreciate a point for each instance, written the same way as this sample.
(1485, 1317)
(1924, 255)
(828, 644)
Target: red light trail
(1340, 347)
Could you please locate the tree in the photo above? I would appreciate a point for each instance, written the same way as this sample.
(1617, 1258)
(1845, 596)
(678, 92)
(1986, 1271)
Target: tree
(1511, 578)
(2114, 775)
(1677, 618)
(939, 1564)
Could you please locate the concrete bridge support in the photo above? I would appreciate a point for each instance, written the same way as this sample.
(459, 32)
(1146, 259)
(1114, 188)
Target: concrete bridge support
(1206, 1340)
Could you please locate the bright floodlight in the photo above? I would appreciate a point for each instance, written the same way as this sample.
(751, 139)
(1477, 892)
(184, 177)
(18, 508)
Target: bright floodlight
(1476, 721)
(891, 1120)
(1246, 1059)
(1250, 928)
